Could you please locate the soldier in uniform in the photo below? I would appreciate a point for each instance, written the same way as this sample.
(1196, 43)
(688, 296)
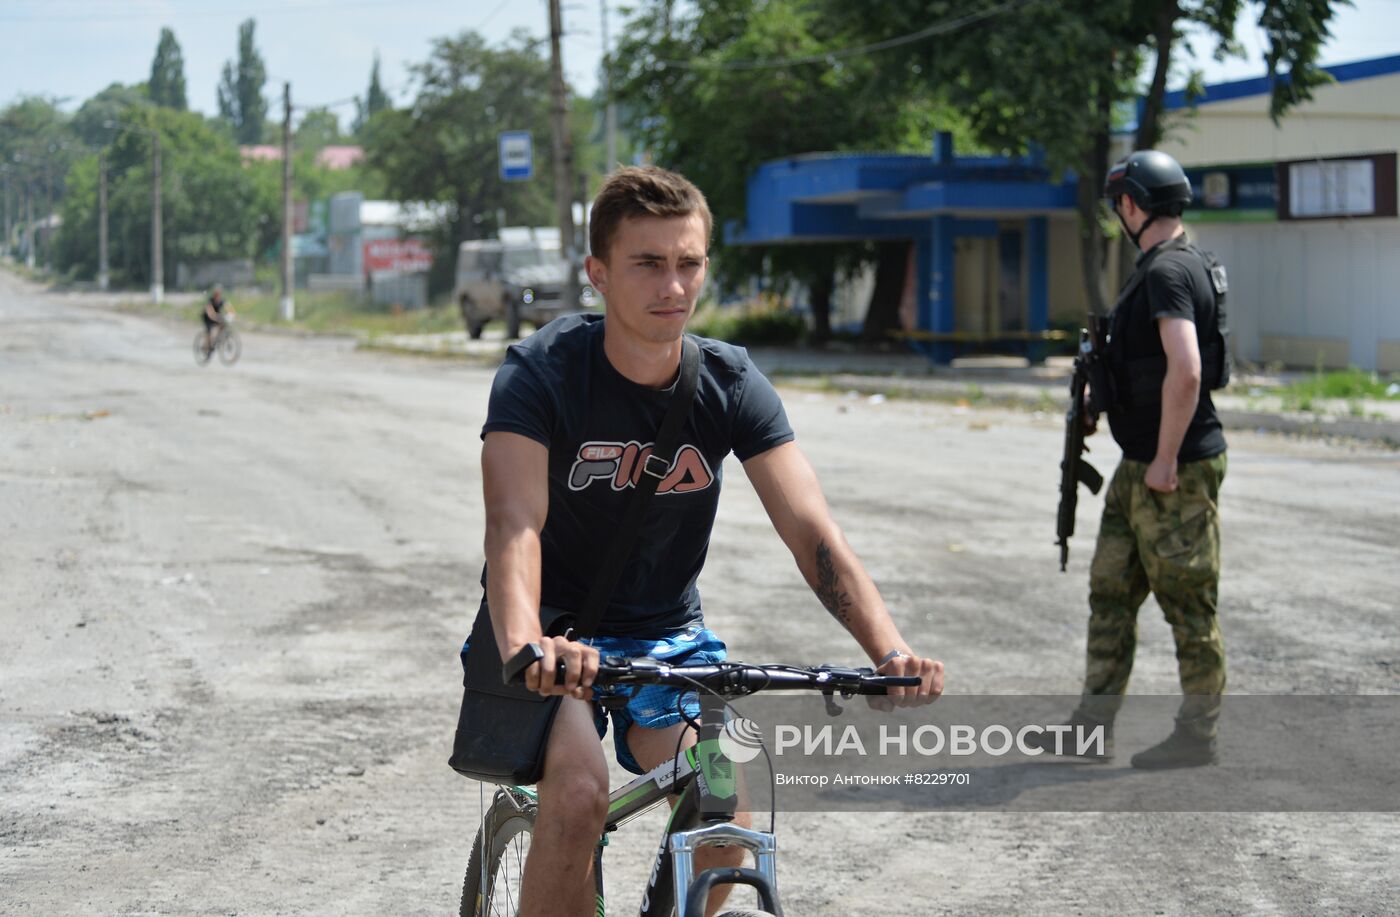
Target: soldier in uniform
(1160, 531)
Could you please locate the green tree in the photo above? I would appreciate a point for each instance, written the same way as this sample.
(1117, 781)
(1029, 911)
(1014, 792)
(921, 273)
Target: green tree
(723, 112)
(443, 147)
(36, 146)
(241, 101)
(213, 207)
(375, 100)
(29, 126)
(90, 122)
(318, 128)
(167, 83)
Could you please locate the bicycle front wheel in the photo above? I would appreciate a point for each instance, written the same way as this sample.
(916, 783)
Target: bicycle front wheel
(230, 346)
(492, 886)
(201, 355)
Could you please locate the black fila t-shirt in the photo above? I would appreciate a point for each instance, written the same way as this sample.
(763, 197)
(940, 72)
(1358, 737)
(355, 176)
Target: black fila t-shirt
(558, 388)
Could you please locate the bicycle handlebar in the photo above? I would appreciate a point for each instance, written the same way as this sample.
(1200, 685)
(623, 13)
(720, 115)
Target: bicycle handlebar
(726, 678)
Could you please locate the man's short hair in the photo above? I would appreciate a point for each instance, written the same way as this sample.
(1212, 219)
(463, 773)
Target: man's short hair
(642, 191)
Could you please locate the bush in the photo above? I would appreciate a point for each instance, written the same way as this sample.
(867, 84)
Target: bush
(758, 323)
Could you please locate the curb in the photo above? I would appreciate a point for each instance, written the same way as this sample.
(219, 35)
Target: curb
(1025, 396)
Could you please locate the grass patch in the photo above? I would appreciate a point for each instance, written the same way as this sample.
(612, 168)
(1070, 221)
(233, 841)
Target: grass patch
(37, 274)
(1351, 385)
(339, 313)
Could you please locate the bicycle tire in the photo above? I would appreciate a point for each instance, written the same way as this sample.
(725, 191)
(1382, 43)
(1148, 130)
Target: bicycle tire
(230, 347)
(201, 356)
(507, 826)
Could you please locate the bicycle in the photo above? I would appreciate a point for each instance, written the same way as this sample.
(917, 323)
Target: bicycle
(703, 776)
(225, 342)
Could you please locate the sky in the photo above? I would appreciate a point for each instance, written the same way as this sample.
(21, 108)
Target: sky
(71, 49)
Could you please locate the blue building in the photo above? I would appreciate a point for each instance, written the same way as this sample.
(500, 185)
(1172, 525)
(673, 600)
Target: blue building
(993, 240)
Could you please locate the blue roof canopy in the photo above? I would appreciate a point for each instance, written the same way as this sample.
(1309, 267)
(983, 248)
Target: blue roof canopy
(831, 197)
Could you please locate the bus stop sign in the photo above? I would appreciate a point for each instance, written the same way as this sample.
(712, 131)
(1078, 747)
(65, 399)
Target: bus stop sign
(517, 156)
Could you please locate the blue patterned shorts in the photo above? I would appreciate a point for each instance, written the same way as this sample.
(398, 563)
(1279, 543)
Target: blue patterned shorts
(652, 706)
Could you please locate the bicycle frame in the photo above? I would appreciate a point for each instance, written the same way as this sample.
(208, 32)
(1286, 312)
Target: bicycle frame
(704, 777)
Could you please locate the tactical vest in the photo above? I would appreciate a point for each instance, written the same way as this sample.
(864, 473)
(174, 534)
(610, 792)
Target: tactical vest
(1137, 382)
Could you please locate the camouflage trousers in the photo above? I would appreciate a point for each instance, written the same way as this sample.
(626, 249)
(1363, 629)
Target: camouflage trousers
(1169, 545)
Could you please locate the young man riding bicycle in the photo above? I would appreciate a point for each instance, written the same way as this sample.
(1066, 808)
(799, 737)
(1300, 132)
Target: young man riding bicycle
(572, 412)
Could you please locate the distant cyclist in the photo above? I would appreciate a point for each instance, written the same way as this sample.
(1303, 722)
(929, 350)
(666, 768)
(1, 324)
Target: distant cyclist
(213, 315)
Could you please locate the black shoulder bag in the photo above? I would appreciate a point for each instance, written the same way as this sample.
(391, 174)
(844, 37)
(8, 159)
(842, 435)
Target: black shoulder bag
(502, 729)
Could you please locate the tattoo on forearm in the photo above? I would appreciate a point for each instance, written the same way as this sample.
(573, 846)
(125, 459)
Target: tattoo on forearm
(829, 590)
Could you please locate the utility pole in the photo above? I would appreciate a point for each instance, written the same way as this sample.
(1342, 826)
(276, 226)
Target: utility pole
(582, 212)
(103, 278)
(563, 157)
(609, 113)
(5, 245)
(48, 212)
(288, 306)
(157, 260)
(29, 222)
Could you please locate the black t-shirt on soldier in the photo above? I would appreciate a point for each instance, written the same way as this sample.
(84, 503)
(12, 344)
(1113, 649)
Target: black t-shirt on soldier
(1177, 285)
(558, 388)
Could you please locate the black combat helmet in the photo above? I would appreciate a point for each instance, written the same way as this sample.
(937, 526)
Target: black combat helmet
(1154, 181)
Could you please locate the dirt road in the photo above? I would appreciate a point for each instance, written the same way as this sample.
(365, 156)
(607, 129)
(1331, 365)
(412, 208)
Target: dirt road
(232, 601)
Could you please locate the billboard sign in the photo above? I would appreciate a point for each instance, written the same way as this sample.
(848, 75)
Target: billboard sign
(402, 256)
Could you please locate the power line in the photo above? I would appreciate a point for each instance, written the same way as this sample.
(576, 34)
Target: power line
(336, 104)
(492, 15)
(938, 28)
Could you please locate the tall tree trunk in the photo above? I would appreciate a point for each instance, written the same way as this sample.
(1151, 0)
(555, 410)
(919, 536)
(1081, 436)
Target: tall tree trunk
(882, 315)
(819, 295)
(1149, 132)
(1092, 250)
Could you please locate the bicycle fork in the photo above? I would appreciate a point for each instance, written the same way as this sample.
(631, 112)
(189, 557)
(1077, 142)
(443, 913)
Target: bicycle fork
(692, 893)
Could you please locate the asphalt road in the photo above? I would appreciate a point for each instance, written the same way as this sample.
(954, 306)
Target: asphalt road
(232, 601)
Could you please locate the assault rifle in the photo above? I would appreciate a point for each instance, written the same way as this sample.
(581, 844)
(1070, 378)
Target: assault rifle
(1073, 469)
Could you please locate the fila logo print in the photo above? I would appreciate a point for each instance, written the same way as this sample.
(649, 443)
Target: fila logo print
(620, 464)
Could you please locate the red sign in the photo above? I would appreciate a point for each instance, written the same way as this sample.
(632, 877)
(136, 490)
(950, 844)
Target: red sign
(405, 256)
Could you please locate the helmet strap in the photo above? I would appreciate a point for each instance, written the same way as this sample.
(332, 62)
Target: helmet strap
(1134, 236)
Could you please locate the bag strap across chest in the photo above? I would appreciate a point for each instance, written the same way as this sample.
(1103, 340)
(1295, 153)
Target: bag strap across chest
(654, 469)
